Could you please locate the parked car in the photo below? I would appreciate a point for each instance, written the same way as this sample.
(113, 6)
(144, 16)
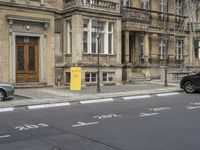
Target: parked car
(190, 83)
(6, 90)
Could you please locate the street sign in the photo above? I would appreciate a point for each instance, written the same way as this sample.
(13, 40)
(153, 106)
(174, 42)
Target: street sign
(75, 84)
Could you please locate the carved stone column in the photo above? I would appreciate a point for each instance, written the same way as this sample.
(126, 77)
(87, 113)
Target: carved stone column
(146, 48)
(127, 47)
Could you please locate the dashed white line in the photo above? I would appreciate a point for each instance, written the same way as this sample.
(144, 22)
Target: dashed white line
(167, 94)
(97, 101)
(5, 136)
(6, 109)
(159, 108)
(146, 114)
(195, 103)
(136, 97)
(79, 124)
(48, 105)
(192, 107)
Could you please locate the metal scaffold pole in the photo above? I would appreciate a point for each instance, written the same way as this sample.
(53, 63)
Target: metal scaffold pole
(165, 42)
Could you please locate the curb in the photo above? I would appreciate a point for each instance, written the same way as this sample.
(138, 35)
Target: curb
(88, 101)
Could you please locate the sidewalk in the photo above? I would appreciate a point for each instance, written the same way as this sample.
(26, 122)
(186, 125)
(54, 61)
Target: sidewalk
(34, 96)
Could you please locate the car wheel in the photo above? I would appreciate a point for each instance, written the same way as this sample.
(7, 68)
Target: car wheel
(188, 87)
(2, 95)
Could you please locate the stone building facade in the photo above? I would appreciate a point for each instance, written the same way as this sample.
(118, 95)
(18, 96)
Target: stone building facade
(27, 41)
(40, 40)
(77, 27)
(143, 40)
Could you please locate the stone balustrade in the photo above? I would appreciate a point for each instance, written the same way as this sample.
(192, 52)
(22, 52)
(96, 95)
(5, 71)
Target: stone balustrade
(135, 15)
(105, 5)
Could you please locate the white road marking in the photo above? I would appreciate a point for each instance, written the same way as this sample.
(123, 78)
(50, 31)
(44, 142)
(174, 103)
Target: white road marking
(26, 127)
(168, 94)
(6, 109)
(195, 103)
(5, 136)
(79, 124)
(48, 105)
(136, 97)
(192, 107)
(159, 108)
(146, 114)
(107, 116)
(97, 101)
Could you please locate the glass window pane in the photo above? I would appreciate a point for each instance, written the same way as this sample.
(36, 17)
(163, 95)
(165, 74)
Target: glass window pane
(85, 23)
(70, 43)
(110, 43)
(110, 78)
(101, 44)
(87, 79)
(87, 75)
(93, 75)
(94, 42)
(20, 58)
(70, 25)
(110, 26)
(85, 41)
(31, 58)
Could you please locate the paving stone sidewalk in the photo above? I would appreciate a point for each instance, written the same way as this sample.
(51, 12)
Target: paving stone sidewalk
(33, 96)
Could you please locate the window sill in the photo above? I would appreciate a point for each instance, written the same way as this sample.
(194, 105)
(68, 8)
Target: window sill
(90, 83)
(109, 83)
(68, 55)
(88, 54)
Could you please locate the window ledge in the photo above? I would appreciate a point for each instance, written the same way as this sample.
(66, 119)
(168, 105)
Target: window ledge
(68, 55)
(87, 54)
(109, 83)
(90, 84)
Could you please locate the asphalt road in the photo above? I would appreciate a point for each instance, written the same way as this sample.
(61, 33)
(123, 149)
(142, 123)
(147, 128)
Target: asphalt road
(152, 123)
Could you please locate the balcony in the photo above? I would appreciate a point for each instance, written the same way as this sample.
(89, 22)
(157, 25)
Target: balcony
(101, 5)
(135, 15)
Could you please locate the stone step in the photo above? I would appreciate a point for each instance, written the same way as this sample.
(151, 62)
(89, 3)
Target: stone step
(140, 80)
(138, 76)
(31, 85)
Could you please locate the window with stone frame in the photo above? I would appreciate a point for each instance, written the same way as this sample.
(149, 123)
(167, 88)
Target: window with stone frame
(110, 37)
(163, 8)
(42, 2)
(90, 77)
(193, 11)
(108, 76)
(90, 42)
(94, 44)
(178, 10)
(69, 37)
(85, 35)
(179, 48)
(197, 48)
(125, 3)
(145, 4)
(162, 49)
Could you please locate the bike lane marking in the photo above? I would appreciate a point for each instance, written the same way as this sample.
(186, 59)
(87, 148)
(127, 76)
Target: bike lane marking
(79, 124)
(5, 136)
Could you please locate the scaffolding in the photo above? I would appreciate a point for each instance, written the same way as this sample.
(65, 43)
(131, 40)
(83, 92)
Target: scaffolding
(187, 24)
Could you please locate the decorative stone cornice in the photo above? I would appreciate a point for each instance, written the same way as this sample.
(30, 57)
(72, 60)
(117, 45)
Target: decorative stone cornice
(30, 19)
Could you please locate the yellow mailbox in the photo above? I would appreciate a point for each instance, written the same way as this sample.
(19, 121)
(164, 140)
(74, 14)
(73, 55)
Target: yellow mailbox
(75, 82)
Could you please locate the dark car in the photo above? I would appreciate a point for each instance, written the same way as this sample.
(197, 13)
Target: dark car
(6, 90)
(190, 83)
